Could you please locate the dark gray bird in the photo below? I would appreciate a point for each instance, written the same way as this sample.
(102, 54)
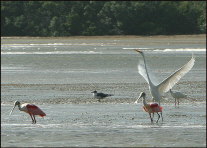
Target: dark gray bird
(100, 95)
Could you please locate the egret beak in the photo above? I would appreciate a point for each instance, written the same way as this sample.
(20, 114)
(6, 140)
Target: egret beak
(137, 50)
(12, 109)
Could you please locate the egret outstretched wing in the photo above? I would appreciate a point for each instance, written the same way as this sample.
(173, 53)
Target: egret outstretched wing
(169, 82)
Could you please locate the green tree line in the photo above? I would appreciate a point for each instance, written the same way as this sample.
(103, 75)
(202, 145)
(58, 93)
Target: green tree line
(67, 18)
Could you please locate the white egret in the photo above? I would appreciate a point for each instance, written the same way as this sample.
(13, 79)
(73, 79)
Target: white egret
(157, 90)
(177, 95)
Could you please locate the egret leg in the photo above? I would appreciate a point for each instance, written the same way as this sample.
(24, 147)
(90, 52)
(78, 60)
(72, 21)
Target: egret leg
(158, 117)
(34, 119)
(178, 102)
(175, 102)
(151, 118)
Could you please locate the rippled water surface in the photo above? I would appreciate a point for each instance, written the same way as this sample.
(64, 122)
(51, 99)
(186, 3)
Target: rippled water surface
(58, 75)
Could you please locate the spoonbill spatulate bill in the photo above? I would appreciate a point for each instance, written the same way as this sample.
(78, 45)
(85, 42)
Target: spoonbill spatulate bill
(157, 90)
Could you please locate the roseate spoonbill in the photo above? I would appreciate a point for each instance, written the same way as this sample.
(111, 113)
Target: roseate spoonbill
(31, 109)
(150, 108)
(157, 90)
(177, 95)
(100, 95)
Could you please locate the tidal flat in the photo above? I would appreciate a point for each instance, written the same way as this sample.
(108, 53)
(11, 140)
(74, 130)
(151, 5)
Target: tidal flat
(59, 74)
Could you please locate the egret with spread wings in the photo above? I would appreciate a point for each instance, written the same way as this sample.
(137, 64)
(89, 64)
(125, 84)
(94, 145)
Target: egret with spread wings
(158, 89)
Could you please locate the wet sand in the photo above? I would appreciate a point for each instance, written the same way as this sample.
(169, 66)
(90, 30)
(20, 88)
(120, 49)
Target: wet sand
(74, 118)
(81, 93)
(99, 124)
(59, 74)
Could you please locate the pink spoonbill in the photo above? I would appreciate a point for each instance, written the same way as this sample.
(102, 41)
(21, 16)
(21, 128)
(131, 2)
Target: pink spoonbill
(150, 108)
(31, 109)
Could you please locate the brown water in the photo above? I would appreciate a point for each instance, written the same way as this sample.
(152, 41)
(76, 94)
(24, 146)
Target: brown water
(58, 75)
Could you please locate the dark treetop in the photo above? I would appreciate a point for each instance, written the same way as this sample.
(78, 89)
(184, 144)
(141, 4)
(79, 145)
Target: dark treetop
(68, 18)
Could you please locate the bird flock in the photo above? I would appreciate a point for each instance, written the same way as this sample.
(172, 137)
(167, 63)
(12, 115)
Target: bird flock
(156, 90)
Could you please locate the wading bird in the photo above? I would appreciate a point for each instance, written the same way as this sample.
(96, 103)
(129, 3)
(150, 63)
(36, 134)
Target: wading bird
(177, 95)
(150, 108)
(157, 90)
(100, 95)
(31, 109)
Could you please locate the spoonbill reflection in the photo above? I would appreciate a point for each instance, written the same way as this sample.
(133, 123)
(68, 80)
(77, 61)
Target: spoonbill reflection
(158, 89)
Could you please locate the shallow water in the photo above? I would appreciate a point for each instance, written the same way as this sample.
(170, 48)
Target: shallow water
(105, 125)
(58, 75)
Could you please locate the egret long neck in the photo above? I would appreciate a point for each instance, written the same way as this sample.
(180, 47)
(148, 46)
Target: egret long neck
(146, 68)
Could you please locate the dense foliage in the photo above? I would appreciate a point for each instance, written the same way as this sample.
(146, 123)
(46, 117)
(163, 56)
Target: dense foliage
(66, 18)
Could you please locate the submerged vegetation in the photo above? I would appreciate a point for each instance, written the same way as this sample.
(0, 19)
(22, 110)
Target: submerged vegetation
(67, 18)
